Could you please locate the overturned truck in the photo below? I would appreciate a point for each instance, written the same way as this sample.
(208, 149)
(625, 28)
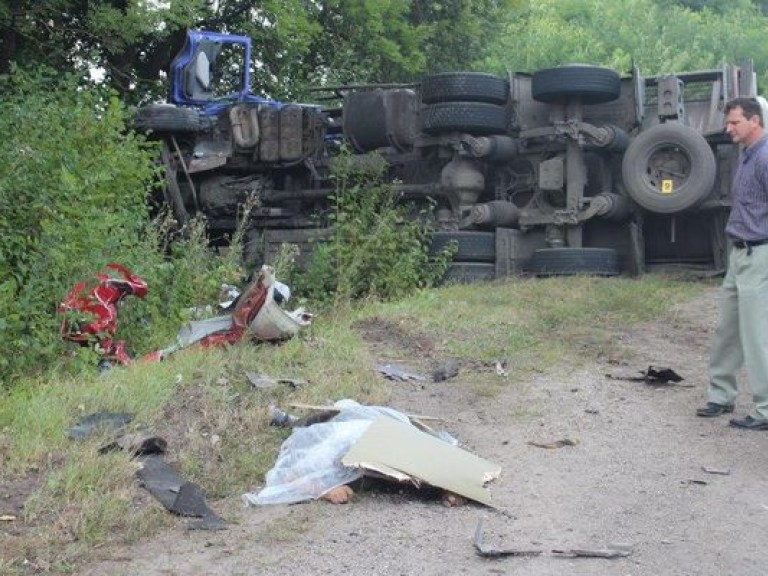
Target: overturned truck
(571, 169)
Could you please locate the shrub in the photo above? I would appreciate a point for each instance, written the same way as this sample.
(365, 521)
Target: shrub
(379, 246)
(74, 195)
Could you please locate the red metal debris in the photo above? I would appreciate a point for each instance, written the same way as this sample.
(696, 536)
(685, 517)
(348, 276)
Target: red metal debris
(99, 306)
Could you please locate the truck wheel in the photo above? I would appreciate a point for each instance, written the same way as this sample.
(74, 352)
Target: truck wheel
(589, 84)
(464, 87)
(469, 117)
(573, 261)
(472, 246)
(669, 168)
(167, 118)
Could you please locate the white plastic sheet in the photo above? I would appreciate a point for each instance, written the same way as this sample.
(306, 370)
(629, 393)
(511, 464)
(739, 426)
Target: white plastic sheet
(309, 462)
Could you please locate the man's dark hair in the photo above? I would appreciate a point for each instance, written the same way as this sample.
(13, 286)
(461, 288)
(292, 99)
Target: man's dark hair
(750, 107)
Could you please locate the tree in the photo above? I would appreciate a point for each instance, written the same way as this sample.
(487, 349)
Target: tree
(654, 35)
(132, 42)
(297, 43)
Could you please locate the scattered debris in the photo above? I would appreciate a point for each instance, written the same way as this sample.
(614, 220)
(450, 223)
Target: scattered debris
(357, 441)
(652, 375)
(89, 315)
(500, 370)
(697, 481)
(263, 382)
(7, 518)
(177, 494)
(256, 313)
(487, 551)
(137, 444)
(90, 318)
(99, 421)
(308, 464)
(599, 553)
(553, 445)
(721, 471)
(397, 373)
(278, 417)
(448, 370)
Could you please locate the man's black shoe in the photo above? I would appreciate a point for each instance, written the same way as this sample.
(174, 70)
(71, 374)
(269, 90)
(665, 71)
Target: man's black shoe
(749, 423)
(712, 409)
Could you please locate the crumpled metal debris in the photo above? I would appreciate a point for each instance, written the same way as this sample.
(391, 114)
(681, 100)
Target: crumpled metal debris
(398, 373)
(653, 375)
(177, 494)
(103, 420)
(89, 315)
(488, 551)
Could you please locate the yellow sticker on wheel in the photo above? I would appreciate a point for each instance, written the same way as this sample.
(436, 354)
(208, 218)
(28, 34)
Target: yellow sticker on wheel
(667, 186)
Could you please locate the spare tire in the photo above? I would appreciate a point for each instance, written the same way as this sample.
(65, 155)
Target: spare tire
(464, 87)
(588, 84)
(669, 168)
(573, 261)
(167, 118)
(470, 117)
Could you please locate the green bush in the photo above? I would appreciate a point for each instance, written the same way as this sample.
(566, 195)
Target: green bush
(74, 195)
(379, 246)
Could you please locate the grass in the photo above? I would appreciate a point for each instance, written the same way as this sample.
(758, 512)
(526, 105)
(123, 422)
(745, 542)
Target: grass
(216, 426)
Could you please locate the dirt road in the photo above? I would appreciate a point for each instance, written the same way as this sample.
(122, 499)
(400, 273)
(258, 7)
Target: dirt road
(634, 479)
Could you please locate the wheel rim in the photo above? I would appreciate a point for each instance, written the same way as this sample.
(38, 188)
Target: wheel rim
(668, 168)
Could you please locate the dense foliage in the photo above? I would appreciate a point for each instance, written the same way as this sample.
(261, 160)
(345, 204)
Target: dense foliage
(658, 36)
(74, 196)
(297, 43)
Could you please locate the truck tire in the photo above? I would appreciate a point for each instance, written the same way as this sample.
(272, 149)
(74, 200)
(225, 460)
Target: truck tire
(669, 168)
(167, 118)
(472, 246)
(573, 261)
(469, 117)
(589, 84)
(464, 87)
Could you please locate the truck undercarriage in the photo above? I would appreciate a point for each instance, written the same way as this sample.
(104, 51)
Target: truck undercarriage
(572, 169)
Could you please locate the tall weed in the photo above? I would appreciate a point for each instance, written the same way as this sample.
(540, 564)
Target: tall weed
(378, 248)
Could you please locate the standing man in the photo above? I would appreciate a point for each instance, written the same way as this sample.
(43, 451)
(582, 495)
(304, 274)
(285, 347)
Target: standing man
(741, 337)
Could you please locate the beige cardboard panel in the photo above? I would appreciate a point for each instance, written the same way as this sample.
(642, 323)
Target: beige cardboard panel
(404, 448)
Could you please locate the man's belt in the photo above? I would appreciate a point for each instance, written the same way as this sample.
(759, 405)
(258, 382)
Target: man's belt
(749, 243)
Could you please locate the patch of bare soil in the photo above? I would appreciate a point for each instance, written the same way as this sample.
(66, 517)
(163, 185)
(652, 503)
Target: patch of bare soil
(632, 477)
